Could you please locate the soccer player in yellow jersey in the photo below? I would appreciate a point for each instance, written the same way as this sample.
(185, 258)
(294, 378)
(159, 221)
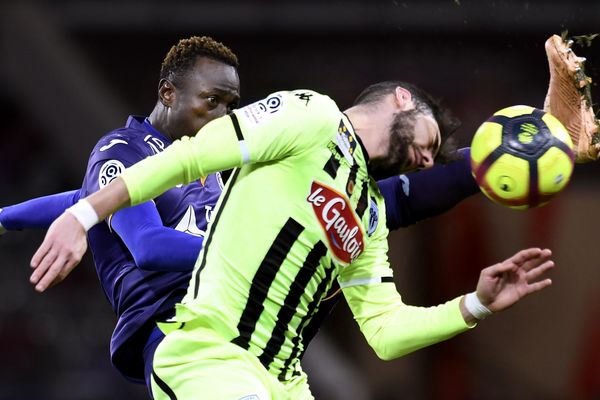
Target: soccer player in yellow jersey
(301, 211)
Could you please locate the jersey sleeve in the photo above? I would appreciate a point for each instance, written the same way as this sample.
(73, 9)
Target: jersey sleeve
(37, 213)
(264, 131)
(111, 156)
(281, 124)
(391, 327)
(416, 196)
(151, 243)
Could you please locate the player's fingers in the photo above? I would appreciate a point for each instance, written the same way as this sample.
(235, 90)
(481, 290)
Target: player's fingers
(500, 268)
(42, 266)
(532, 263)
(532, 257)
(39, 255)
(525, 255)
(537, 286)
(512, 263)
(53, 273)
(535, 273)
(526, 259)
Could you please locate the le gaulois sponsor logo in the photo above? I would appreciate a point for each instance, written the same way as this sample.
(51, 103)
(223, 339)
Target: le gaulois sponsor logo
(341, 226)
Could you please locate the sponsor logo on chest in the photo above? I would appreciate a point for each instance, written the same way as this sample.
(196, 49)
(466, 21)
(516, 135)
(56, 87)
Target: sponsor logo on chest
(341, 226)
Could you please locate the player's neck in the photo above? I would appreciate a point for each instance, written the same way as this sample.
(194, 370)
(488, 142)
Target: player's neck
(371, 128)
(158, 120)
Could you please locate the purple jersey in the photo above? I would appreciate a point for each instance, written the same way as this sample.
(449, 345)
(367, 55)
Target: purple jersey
(141, 297)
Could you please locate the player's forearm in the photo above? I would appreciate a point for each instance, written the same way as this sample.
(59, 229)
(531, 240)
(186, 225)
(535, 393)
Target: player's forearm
(38, 212)
(394, 329)
(417, 196)
(410, 328)
(151, 244)
(157, 253)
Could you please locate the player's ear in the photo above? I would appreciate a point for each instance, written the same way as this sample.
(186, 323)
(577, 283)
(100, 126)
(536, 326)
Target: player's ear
(403, 98)
(166, 92)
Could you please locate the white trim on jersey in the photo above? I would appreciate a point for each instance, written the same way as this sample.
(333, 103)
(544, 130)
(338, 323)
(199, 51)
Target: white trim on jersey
(362, 281)
(245, 152)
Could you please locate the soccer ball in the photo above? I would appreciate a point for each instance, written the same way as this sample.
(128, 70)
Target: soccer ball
(521, 157)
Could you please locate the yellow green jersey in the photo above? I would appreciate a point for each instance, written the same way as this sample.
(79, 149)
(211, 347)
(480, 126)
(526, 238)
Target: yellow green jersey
(298, 213)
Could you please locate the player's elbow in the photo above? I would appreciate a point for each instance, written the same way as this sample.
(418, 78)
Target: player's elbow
(147, 247)
(389, 347)
(385, 353)
(145, 252)
(145, 260)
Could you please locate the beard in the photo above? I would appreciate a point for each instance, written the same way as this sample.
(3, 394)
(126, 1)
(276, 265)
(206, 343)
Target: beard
(402, 135)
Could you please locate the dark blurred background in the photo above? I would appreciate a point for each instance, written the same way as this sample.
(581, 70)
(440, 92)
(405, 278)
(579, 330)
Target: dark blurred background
(73, 70)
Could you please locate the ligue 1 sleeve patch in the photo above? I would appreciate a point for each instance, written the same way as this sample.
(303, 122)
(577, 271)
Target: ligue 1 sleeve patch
(261, 111)
(341, 226)
(109, 171)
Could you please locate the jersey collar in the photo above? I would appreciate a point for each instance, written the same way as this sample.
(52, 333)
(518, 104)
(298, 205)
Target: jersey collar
(143, 124)
(360, 143)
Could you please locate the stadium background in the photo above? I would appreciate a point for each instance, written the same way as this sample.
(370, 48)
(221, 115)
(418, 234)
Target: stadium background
(72, 70)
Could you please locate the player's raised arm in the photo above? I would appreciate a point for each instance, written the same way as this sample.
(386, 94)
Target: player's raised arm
(501, 285)
(187, 159)
(394, 328)
(243, 137)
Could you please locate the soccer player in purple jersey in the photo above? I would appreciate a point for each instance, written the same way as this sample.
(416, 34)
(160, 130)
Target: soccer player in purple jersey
(140, 275)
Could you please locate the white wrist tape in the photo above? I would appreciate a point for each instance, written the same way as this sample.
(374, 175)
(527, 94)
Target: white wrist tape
(84, 213)
(475, 307)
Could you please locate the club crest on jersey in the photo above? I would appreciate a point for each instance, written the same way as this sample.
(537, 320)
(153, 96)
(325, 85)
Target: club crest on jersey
(262, 110)
(373, 217)
(346, 142)
(109, 171)
(341, 226)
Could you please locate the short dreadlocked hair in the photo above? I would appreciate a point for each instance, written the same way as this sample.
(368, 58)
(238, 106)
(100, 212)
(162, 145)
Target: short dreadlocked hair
(447, 122)
(182, 56)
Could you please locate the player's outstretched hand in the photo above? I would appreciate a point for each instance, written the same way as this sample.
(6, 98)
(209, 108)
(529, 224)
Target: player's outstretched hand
(503, 284)
(62, 249)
